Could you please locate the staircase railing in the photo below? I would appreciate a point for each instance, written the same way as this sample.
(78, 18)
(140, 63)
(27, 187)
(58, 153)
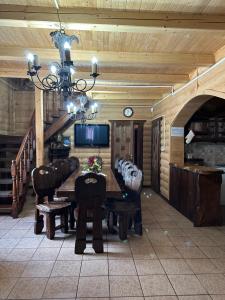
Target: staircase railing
(21, 169)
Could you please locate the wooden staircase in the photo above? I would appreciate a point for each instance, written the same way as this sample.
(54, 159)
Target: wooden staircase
(17, 156)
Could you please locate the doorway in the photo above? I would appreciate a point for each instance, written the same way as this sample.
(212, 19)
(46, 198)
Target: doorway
(156, 154)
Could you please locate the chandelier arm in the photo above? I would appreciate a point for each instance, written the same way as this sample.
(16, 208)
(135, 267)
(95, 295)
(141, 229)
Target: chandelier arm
(38, 87)
(49, 85)
(85, 85)
(93, 84)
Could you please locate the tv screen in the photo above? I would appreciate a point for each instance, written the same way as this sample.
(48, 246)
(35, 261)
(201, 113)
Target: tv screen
(91, 135)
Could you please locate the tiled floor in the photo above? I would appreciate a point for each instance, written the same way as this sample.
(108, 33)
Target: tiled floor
(171, 261)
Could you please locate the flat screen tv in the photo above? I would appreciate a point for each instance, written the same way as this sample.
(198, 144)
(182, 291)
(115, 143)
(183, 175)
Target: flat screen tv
(91, 135)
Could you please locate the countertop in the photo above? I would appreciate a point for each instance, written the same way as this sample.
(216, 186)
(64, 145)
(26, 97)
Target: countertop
(199, 169)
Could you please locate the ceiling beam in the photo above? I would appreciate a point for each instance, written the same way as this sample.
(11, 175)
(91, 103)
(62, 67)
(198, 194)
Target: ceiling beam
(113, 78)
(189, 59)
(106, 20)
(133, 96)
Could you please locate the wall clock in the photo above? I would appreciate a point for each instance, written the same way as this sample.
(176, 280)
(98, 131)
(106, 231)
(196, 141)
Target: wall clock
(128, 112)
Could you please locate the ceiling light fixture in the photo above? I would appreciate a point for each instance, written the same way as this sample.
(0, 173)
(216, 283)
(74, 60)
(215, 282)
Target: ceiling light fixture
(61, 78)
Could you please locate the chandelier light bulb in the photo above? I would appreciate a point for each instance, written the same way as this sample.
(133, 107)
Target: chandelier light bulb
(72, 71)
(30, 57)
(66, 45)
(53, 69)
(94, 60)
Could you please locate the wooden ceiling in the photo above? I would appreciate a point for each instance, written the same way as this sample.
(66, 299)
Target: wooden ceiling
(137, 42)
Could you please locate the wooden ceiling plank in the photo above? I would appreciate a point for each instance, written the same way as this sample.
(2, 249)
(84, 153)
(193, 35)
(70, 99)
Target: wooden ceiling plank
(107, 20)
(190, 59)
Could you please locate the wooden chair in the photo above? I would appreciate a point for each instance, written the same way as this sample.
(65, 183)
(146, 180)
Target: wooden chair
(90, 193)
(44, 184)
(74, 163)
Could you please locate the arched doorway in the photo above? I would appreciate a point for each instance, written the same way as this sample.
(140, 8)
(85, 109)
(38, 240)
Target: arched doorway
(180, 120)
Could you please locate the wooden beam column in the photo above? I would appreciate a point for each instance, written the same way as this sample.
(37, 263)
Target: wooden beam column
(39, 127)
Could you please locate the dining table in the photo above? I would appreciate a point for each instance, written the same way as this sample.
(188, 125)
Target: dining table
(67, 189)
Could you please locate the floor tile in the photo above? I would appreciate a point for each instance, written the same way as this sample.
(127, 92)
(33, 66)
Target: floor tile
(93, 287)
(213, 283)
(124, 286)
(46, 254)
(66, 268)
(201, 266)
(8, 243)
(156, 285)
(94, 268)
(161, 298)
(149, 266)
(28, 288)
(20, 254)
(175, 266)
(119, 253)
(143, 252)
(219, 263)
(190, 252)
(186, 285)
(213, 252)
(11, 269)
(122, 267)
(218, 297)
(38, 269)
(29, 242)
(46, 243)
(167, 252)
(6, 285)
(68, 254)
(61, 287)
(197, 297)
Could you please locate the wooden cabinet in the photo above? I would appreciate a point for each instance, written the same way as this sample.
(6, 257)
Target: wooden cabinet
(127, 141)
(210, 130)
(196, 194)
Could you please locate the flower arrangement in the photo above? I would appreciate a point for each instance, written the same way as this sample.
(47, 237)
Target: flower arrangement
(93, 164)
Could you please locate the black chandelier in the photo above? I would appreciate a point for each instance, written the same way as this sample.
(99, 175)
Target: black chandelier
(62, 77)
(82, 108)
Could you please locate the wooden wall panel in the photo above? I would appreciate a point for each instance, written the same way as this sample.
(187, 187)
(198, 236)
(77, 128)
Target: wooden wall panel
(112, 112)
(213, 83)
(23, 107)
(5, 102)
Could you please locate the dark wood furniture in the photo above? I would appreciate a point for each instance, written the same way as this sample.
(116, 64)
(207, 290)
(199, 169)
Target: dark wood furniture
(67, 188)
(195, 192)
(90, 193)
(127, 141)
(44, 184)
(156, 155)
(58, 153)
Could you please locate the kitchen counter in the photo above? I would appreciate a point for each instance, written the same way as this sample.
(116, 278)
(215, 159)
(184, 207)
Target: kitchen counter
(199, 169)
(195, 192)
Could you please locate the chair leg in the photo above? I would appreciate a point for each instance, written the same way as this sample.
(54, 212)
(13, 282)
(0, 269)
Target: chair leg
(80, 243)
(97, 231)
(64, 220)
(111, 221)
(39, 222)
(72, 219)
(50, 225)
(123, 226)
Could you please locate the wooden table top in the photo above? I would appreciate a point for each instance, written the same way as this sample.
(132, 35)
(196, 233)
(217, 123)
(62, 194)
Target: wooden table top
(112, 187)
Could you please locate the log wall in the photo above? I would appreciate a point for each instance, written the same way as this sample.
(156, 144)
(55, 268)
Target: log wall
(6, 94)
(115, 112)
(178, 108)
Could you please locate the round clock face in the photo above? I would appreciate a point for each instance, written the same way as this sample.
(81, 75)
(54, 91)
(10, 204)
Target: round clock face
(128, 112)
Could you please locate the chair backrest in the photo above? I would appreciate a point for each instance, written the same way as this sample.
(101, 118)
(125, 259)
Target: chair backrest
(63, 167)
(74, 163)
(44, 182)
(90, 190)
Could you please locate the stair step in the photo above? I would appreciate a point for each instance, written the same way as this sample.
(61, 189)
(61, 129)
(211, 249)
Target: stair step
(5, 194)
(6, 181)
(9, 149)
(5, 208)
(5, 170)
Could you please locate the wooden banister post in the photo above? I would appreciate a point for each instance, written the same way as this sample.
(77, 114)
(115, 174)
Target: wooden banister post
(39, 126)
